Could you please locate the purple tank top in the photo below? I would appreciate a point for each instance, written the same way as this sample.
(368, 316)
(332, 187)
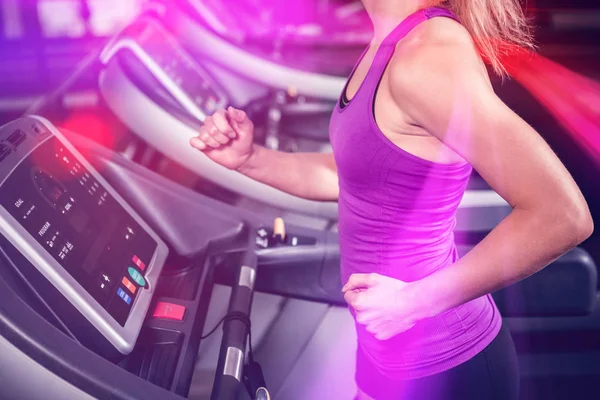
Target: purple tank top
(396, 218)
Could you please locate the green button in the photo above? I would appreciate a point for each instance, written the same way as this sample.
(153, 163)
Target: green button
(137, 277)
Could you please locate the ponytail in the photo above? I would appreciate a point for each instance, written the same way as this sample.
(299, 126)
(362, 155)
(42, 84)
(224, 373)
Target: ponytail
(498, 27)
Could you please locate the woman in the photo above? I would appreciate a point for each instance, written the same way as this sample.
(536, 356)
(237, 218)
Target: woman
(417, 114)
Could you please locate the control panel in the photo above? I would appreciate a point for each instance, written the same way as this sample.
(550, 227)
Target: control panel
(186, 81)
(77, 231)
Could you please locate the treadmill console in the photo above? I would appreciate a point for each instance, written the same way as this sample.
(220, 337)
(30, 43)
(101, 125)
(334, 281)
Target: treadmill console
(186, 81)
(77, 231)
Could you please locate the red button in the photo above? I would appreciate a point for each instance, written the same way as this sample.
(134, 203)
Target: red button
(139, 263)
(169, 311)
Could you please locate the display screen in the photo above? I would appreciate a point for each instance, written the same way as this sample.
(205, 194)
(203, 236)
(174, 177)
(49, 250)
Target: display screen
(66, 210)
(185, 72)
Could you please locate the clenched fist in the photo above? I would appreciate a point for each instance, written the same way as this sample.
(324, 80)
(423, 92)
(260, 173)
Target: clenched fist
(384, 305)
(226, 138)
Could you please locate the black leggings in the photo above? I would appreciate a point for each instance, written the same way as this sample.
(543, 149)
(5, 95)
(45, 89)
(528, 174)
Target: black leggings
(493, 374)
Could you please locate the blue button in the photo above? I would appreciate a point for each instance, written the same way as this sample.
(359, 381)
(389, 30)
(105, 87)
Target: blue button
(124, 296)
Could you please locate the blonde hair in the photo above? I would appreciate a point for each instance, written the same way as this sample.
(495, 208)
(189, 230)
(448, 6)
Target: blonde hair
(498, 27)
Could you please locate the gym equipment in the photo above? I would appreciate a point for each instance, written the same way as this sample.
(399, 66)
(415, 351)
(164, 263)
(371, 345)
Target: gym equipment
(79, 234)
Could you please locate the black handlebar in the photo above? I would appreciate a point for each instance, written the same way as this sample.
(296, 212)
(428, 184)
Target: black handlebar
(228, 379)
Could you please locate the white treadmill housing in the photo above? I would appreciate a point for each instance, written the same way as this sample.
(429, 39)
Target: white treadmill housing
(119, 328)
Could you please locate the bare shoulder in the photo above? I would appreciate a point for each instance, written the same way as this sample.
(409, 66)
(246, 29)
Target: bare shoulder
(438, 51)
(437, 75)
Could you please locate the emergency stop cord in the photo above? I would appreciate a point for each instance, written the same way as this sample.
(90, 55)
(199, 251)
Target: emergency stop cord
(253, 378)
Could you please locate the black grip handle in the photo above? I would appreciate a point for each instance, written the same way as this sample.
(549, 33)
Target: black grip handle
(254, 379)
(228, 380)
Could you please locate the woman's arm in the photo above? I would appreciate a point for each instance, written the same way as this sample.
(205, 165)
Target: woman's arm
(311, 176)
(443, 88)
(227, 138)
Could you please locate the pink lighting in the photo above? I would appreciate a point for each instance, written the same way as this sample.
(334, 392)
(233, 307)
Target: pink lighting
(573, 99)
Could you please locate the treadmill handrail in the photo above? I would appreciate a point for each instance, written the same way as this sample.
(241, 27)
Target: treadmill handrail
(229, 375)
(209, 17)
(159, 74)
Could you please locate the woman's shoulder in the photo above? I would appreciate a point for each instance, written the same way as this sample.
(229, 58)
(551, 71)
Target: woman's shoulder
(441, 49)
(429, 80)
(439, 39)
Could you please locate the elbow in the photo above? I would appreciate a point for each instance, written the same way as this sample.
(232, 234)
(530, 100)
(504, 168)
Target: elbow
(568, 223)
(580, 223)
(585, 228)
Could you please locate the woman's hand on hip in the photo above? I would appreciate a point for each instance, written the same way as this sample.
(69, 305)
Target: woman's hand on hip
(384, 305)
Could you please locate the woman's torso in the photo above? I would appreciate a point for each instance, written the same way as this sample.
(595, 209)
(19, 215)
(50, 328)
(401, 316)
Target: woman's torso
(396, 218)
